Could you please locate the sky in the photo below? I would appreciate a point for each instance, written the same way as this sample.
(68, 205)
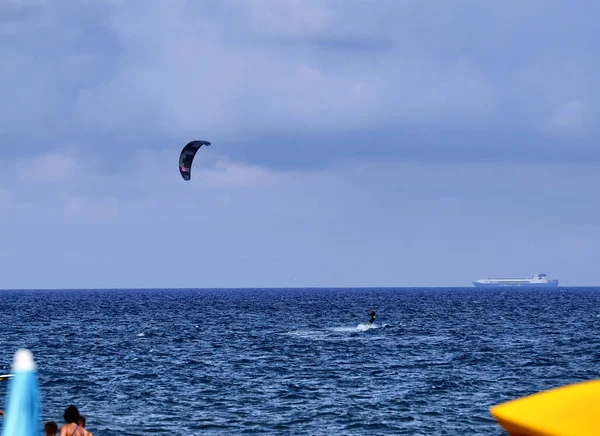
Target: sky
(355, 143)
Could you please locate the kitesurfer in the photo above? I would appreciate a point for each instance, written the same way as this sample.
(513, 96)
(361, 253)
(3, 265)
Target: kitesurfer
(372, 315)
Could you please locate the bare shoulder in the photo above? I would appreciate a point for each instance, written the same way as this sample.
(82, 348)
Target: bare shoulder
(66, 430)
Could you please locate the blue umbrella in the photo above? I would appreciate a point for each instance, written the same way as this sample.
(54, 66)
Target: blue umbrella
(23, 399)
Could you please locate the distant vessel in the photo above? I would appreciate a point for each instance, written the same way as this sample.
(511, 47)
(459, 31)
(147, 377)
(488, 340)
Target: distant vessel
(537, 281)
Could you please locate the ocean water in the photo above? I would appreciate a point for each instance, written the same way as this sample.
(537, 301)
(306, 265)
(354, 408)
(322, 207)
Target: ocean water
(294, 361)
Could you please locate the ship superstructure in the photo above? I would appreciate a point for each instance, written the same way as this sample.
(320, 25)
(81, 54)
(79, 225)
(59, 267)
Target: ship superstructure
(536, 281)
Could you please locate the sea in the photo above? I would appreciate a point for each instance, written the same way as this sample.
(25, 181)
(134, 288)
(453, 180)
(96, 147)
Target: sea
(297, 361)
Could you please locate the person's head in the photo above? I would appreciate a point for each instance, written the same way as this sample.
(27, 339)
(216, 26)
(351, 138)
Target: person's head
(71, 415)
(81, 421)
(51, 428)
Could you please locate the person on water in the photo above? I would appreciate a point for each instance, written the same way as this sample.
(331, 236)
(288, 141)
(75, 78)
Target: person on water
(372, 315)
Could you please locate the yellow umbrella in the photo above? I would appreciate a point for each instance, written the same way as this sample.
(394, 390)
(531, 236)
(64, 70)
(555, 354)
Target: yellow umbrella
(571, 410)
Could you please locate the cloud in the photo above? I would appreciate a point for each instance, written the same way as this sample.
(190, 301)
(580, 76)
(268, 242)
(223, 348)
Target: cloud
(261, 77)
(214, 79)
(354, 142)
(569, 119)
(6, 198)
(50, 166)
(356, 223)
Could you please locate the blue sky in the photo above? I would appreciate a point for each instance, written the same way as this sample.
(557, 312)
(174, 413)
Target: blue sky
(355, 142)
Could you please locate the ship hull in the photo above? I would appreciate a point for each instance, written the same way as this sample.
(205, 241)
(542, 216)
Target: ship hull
(549, 284)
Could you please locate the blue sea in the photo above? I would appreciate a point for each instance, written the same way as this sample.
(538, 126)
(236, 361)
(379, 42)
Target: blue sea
(297, 361)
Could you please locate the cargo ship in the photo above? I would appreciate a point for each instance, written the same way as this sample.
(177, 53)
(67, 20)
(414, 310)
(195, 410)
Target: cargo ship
(537, 281)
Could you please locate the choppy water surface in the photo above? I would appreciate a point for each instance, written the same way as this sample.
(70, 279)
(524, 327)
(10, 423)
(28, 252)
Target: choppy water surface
(294, 360)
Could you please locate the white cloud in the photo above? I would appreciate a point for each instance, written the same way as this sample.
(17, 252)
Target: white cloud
(6, 198)
(191, 74)
(294, 17)
(569, 119)
(379, 223)
(16, 5)
(50, 166)
(97, 208)
(129, 88)
(238, 174)
(239, 71)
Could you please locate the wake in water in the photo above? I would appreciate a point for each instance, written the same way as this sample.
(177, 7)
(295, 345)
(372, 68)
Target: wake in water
(329, 333)
(359, 328)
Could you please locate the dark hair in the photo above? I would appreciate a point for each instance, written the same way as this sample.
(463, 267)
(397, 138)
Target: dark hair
(82, 420)
(71, 414)
(51, 427)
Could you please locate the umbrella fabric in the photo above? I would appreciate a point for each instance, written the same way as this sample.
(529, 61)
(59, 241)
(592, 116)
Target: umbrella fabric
(22, 406)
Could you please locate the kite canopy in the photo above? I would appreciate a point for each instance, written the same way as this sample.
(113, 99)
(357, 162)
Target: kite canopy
(187, 157)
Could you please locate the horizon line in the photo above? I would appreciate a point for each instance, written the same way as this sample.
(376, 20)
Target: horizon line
(279, 287)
